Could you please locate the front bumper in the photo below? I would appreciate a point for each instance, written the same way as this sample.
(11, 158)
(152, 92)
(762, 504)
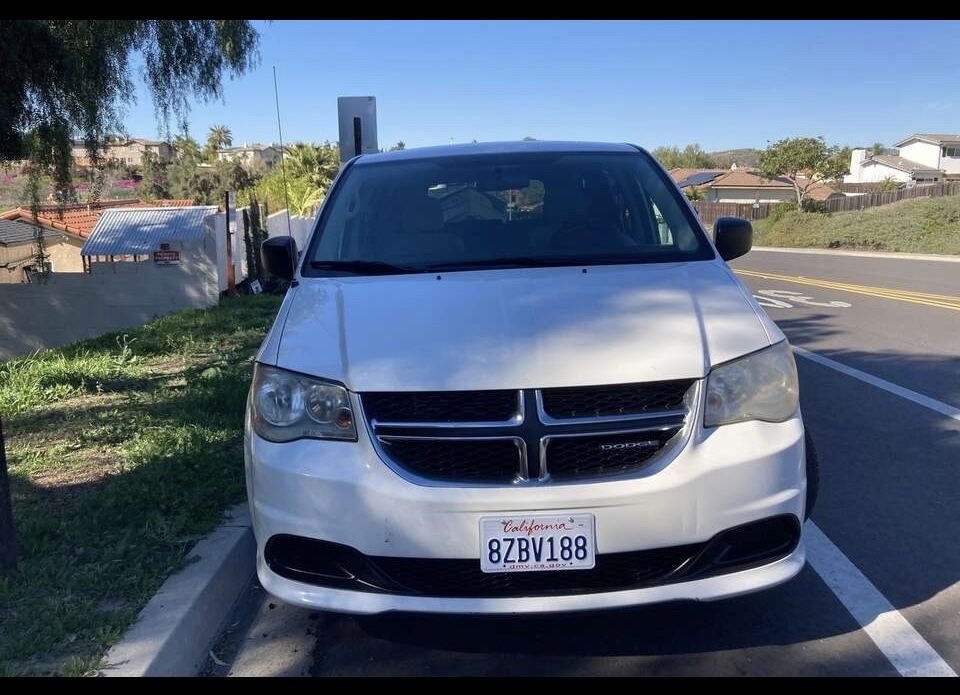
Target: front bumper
(709, 589)
(343, 493)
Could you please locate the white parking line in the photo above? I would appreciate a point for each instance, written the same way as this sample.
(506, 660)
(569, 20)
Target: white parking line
(918, 398)
(903, 646)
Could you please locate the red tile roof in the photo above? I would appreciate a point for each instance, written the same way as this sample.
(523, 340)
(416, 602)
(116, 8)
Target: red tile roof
(80, 219)
(742, 178)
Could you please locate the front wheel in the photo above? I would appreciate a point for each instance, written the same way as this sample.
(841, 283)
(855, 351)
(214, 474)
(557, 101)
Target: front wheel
(813, 474)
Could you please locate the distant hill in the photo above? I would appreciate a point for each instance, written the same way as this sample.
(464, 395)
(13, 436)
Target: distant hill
(744, 157)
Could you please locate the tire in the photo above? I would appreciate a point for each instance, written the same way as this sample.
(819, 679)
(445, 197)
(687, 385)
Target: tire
(813, 474)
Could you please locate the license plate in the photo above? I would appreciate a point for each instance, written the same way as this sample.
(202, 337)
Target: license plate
(537, 543)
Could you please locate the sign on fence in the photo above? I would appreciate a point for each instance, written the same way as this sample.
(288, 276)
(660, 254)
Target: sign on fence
(166, 257)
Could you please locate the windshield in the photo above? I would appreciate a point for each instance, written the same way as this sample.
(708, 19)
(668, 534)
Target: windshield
(514, 210)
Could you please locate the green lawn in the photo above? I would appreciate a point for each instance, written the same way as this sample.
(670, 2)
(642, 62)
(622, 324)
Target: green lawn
(925, 225)
(123, 451)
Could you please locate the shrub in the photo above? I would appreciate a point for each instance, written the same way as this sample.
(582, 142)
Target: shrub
(815, 206)
(779, 210)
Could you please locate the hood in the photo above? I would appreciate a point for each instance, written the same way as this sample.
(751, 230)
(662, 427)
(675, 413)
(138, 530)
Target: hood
(519, 328)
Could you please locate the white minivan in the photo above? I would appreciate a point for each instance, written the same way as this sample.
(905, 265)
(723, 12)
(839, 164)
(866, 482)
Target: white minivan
(520, 377)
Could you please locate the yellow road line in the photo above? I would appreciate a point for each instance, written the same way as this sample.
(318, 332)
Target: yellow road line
(941, 301)
(883, 293)
(909, 293)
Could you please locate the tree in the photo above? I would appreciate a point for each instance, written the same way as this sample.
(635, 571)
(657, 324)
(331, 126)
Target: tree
(302, 192)
(694, 193)
(219, 137)
(690, 157)
(318, 163)
(154, 183)
(804, 162)
(401, 145)
(877, 148)
(258, 234)
(186, 146)
(62, 77)
(206, 183)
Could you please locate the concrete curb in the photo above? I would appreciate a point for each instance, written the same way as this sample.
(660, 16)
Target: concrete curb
(862, 254)
(174, 631)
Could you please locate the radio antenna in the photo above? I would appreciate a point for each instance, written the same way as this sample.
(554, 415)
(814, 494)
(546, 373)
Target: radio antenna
(283, 168)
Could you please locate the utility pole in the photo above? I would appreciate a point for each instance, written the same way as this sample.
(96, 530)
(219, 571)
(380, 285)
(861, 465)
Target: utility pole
(8, 538)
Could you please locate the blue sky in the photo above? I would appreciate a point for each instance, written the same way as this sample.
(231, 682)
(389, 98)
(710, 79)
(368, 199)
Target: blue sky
(720, 84)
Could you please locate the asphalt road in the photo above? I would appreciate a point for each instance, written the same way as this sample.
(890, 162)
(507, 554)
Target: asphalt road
(881, 592)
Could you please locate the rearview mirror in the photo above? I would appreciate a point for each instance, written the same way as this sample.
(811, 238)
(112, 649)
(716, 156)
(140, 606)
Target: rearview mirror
(279, 256)
(733, 237)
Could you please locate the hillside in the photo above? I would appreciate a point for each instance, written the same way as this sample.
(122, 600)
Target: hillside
(744, 157)
(924, 225)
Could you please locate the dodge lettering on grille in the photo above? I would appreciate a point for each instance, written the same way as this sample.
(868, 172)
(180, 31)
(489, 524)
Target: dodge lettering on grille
(627, 445)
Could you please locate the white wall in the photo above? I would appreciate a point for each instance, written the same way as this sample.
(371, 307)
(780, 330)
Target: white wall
(873, 171)
(857, 156)
(922, 153)
(299, 228)
(750, 195)
(217, 224)
(113, 296)
(951, 165)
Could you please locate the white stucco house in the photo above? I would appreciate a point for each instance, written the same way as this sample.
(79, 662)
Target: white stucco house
(921, 158)
(269, 155)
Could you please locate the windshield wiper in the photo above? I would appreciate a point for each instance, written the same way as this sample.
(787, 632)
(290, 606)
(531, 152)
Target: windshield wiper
(506, 262)
(363, 267)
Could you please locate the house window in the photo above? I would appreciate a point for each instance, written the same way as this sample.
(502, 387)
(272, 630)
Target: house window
(951, 152)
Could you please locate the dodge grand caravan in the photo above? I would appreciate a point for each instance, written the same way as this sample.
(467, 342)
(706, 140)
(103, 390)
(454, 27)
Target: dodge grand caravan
(516, 378)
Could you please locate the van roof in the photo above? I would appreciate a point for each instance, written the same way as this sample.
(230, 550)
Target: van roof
(510, 147)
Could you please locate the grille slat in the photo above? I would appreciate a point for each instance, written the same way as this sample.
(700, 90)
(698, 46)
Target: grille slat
(617, 400)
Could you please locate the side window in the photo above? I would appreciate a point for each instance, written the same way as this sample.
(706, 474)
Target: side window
(671, 227)
(663, 229)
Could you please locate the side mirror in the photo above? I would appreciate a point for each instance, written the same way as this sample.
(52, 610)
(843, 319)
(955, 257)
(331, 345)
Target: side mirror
(733, 237)
(279, 256)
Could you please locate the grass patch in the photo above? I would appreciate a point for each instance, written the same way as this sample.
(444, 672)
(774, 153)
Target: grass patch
(123, 451)
(924, 225)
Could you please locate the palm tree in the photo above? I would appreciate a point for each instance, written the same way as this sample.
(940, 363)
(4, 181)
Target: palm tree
(888, 185)
(220, 136)
(318, 163)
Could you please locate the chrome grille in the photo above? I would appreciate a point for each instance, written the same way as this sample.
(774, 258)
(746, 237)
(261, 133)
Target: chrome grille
(530, 436)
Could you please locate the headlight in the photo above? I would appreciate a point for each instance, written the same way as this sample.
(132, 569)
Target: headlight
(761, 386)
(287, 406)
